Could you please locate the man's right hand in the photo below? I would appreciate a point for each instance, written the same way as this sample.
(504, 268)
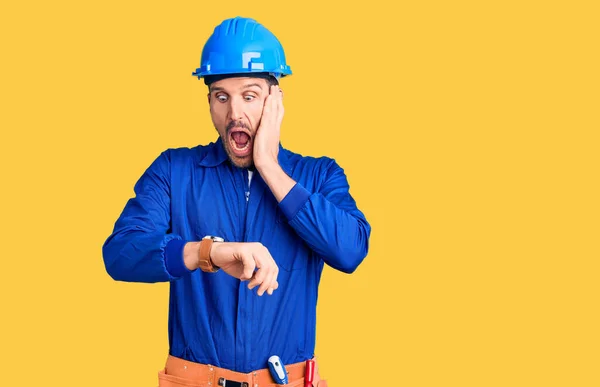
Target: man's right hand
(240, 260)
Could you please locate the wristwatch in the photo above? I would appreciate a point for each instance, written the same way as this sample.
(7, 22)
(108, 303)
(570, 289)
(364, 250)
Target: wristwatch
(205, 263)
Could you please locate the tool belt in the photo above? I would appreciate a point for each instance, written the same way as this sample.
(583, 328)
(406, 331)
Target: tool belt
(179, 372)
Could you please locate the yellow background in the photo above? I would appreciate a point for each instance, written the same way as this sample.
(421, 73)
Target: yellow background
(468, 131)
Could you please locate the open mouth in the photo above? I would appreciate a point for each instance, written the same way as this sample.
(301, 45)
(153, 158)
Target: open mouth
(240, 142)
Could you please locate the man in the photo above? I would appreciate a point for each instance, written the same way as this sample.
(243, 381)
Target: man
(240, 227)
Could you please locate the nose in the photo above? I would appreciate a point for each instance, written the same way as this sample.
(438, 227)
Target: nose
(235, 109)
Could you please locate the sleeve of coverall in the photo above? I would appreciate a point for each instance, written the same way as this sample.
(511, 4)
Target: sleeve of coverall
(329, 221)
(141, 247)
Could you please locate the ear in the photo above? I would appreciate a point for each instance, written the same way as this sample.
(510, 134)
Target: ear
(208, 97)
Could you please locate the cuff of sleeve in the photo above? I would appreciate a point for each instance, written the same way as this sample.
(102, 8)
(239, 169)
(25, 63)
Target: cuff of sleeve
(294, 201)
(174, 258)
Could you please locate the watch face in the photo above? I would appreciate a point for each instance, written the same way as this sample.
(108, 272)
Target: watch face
(214, 238)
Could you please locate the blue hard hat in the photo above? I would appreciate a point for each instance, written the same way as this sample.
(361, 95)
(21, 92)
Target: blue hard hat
(242, 45)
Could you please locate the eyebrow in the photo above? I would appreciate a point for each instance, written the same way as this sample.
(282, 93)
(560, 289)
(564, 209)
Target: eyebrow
(217, 88)
(251, 85)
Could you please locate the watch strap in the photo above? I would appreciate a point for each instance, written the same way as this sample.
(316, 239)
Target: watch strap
(205, 263)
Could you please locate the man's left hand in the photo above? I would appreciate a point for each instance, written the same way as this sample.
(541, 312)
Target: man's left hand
(266, 142)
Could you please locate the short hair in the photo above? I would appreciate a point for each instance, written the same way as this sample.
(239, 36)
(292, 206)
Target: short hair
(271, 80)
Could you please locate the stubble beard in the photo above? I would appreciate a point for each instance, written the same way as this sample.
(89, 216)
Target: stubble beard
(247, 162)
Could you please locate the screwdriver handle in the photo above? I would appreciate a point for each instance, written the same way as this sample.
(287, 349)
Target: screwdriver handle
(309, 373)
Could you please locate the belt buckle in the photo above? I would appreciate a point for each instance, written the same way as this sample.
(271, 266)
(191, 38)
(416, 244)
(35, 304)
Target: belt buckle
(230, 383)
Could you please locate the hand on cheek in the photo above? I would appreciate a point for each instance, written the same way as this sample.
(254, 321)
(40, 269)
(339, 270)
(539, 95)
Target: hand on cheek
(266, 146)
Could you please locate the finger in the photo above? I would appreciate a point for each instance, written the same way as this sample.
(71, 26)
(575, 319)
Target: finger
(275, 93)
(249, 266)
(268, 282)
(261, 273)
(267, 107)
(267, 269)
(274, 283)
(278, 104)
(266, 120)
(280, 108)
(271, 283)
(274, 105)
(273, 288)
(257, 279)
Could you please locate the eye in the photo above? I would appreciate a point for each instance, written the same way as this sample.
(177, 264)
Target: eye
(249, 98)
(221, 98)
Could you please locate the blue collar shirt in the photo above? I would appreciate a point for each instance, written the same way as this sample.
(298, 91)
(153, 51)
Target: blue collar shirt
(188, 193)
